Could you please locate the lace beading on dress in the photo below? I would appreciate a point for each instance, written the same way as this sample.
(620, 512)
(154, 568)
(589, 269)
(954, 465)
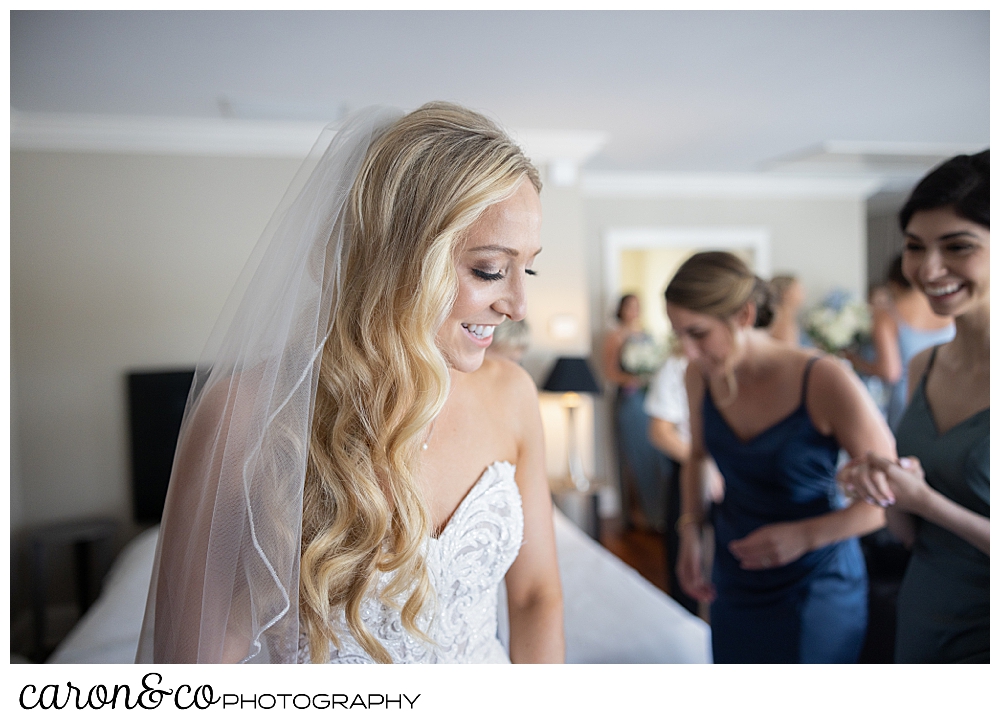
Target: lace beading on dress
(466, 563)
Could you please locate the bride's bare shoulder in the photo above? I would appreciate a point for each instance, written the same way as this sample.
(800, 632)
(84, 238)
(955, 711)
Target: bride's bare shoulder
(504, 381)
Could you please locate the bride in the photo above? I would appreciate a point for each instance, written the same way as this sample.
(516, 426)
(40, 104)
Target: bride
(353, 480)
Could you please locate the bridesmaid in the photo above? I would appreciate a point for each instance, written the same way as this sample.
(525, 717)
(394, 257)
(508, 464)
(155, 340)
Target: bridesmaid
(649, 468)
(788, 581)
(901, 328)
(789, 297)
(937, 495)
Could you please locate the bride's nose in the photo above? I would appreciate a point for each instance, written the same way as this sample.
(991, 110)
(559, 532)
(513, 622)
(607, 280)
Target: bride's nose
(513, 302)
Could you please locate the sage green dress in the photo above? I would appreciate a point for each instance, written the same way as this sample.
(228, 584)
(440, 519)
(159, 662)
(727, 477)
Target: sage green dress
(944, 603)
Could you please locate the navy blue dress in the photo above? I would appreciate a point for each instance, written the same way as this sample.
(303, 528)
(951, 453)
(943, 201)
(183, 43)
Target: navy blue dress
(814, 609)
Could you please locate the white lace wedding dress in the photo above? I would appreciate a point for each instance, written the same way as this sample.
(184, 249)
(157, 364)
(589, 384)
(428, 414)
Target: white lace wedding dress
(467, 562)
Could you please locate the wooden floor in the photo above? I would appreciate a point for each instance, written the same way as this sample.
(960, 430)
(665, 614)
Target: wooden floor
(640, 549)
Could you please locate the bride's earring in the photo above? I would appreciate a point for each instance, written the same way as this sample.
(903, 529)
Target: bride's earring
(429, 433)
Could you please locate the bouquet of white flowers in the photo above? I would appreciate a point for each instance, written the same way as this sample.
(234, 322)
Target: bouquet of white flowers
(838, 322)
(642, 356)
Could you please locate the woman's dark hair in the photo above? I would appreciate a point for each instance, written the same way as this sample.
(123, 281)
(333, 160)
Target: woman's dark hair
(962, 182)
(621, 304)
(895, 273)
(765, 300)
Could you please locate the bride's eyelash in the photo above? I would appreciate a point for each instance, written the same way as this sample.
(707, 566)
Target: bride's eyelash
(497, 276)
(488, 276)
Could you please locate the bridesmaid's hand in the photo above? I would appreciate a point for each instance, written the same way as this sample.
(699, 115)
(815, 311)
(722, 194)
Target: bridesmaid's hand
(690, 566)
(905, 480)
(885, 482)
(771, 546)
(863, 480)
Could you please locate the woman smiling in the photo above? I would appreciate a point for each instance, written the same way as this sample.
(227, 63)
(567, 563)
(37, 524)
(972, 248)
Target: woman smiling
(937, 495)
(353, 481)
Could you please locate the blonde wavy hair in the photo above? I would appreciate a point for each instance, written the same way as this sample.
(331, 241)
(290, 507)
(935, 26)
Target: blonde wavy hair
(382, 379)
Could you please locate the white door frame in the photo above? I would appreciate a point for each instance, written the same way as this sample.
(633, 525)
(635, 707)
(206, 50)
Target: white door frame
(683, 237)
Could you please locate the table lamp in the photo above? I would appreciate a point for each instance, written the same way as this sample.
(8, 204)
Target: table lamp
(572, 376)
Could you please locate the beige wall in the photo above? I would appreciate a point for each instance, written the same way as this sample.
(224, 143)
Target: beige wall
(123, 261)
(558, 289)
(118, 262)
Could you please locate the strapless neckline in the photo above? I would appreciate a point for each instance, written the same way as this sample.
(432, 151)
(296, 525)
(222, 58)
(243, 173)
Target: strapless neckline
(496, 469)
(466, 564)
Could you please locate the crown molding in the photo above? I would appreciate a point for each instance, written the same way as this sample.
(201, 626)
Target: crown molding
(873, 156)
(161, 135)
(85, 133)
(727, 185)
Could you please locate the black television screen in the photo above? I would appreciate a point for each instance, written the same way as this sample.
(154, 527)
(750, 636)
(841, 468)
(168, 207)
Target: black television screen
(156, 405)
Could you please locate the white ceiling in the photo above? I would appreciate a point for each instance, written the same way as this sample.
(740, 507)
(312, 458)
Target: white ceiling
(674, 91)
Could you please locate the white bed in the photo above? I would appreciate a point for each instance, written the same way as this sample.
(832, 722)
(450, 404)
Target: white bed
(612, 614)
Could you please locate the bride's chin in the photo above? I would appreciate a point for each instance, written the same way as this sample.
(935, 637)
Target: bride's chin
(464, 363)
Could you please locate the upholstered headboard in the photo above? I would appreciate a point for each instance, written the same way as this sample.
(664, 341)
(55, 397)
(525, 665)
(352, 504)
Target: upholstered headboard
(156, 405)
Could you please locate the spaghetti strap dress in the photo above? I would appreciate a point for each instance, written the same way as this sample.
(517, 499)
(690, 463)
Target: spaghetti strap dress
(943, 611)
(814, 609)
(911, 342)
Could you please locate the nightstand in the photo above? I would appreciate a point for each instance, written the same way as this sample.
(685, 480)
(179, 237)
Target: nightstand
(91, 541)
(581, 507)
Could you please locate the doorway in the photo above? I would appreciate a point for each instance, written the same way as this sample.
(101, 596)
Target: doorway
(643, 260)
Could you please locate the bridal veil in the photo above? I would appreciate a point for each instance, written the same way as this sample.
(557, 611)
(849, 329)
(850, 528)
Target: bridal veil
(226, 577)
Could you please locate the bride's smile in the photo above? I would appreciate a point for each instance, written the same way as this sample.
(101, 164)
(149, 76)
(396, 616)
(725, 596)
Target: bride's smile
(492, 265)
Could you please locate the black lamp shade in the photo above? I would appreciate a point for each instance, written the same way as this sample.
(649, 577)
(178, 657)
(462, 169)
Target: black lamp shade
(571, 374)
